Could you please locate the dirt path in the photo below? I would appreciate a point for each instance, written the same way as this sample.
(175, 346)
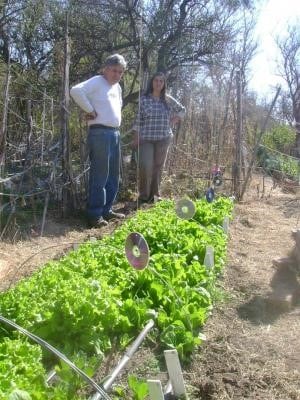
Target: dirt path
(252, 350)
(20, 259)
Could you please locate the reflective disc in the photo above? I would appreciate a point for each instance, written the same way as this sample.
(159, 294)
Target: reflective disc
(210, 195)
(217, 180)
(185, 208)
(137, 250)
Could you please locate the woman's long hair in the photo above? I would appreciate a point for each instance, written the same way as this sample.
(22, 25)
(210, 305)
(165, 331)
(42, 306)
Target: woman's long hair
(149, 89)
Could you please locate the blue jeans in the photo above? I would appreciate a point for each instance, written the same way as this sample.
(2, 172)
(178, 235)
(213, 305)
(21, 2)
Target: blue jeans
(104, 152)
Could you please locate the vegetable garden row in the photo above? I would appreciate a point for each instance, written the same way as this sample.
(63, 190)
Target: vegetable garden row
(93, 297)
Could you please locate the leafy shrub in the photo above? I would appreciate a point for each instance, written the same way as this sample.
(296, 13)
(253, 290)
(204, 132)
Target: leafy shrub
(272, 161)
(280, 138)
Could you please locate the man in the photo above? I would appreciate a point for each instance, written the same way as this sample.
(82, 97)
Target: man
(101, 98)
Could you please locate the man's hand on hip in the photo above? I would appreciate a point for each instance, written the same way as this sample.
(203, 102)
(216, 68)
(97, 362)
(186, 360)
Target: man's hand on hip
(91, 115)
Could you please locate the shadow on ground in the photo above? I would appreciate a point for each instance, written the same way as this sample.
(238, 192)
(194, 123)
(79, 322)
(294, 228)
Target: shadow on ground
(284, 296)
(259, 310)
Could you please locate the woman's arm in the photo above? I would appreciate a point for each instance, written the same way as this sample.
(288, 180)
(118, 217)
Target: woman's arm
(177, 108)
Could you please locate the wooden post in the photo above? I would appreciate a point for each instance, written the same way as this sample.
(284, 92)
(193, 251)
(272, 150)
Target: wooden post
(29, 121)
(3, 131)
(3, 134)
(236, 171)
(43, 128)
(66, 160)
(45, 213)
(258, 141)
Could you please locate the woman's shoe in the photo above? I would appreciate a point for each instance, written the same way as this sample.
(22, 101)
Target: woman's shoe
(157, 199)
(140, 202)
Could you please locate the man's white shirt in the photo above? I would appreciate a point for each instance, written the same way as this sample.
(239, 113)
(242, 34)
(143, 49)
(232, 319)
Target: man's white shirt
(96, 94)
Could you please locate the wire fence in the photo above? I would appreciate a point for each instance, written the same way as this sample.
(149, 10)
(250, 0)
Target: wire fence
(33, 181)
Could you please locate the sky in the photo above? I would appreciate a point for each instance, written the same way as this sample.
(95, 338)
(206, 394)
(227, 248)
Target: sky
(273, 19)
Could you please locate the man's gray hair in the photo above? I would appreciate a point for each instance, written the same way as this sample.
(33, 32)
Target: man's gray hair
(115, 59)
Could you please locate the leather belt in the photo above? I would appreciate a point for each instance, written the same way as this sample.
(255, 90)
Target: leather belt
(102, 126)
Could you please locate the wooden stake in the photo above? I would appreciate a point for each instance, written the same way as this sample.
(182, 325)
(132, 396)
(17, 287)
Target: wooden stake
(175, 373)
(155, 390)
(226, 224)
(209, 257)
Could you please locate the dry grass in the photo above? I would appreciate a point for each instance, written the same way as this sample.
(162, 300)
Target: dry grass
(252, 351)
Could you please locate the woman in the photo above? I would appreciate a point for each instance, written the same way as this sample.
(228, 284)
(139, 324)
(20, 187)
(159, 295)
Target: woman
(157, 113)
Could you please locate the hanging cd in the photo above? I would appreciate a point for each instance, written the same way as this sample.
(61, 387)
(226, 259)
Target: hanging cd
(210, 195)
(217, 180)
(185, 208)
(137, 250)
